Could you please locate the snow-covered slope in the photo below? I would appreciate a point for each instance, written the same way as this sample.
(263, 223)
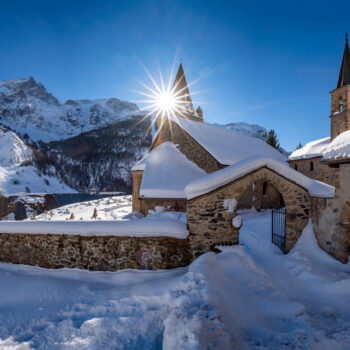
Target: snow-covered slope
(252, 130)
(27, 108)
(18, 171)
(13, 151)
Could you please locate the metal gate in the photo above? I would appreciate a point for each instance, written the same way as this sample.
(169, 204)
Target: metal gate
(278, 228)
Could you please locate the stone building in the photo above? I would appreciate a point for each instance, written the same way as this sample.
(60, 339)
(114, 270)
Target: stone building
(328, 160)
(210, 172)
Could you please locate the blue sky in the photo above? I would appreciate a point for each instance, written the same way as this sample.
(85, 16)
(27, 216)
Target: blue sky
(272, 63)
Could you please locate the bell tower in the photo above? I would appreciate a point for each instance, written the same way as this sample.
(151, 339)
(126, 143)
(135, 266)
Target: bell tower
(340, 97)
(182, 92)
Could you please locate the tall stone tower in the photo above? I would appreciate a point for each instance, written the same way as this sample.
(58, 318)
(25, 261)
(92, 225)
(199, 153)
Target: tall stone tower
(180, 88)
(340, 97)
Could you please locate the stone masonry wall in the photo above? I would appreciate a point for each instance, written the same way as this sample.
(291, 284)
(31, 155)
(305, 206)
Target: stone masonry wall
(107, 253)
(330, 217)
(136, 178)
(188, 146)
(210, 223)
(340, 120)
(321, 172)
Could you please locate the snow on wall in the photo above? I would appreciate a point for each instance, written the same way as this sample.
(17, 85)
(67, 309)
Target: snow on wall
(311, 149)
(224, 176)
(161, 227)
(339, 147)
(166, 172)
(227, 147)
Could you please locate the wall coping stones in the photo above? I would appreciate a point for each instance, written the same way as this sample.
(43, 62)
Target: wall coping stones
(132, 228)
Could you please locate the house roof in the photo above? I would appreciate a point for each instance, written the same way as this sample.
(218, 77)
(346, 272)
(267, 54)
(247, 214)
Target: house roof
(339, 148)
(224, 176)
(310, 150)
(227, 147)
(166, 172)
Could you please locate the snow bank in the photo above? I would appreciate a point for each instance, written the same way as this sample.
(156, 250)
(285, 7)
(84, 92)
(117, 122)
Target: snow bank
(227, 147)
(339, 147)
(166, 172)
(162, 227)
(224, 176)
(311, 149)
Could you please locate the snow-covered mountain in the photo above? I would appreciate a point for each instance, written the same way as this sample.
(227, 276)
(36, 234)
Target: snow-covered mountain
(101, 158)
(27, 108)
(19, 172)
(252, 130)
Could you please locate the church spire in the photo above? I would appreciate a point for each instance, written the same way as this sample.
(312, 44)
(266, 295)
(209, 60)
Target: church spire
(180, 87)
(344, 74)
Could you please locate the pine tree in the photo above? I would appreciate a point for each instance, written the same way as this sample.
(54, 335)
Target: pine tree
(299, 146)
(272, 140)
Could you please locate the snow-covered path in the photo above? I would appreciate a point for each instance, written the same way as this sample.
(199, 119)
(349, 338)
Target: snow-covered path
(249, 296)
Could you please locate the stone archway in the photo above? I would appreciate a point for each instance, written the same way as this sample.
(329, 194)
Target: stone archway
(210, 223)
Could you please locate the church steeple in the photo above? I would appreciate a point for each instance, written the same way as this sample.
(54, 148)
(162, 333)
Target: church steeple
(340, 97)
(344, 74)
(183, 93)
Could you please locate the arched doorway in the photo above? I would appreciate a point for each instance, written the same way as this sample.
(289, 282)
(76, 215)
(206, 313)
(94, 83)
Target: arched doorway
(211, 223)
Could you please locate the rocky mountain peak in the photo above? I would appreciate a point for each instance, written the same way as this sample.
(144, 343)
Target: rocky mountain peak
(24, 90)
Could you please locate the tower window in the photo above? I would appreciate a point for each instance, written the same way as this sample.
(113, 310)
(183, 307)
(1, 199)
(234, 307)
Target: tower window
(311, 166)
(296, 167)
(340, 106)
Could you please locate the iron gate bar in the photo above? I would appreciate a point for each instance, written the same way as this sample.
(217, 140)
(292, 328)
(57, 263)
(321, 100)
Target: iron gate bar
(278, 228)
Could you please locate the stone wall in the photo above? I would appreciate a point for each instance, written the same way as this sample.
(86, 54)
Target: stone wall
(317, 171)
(340, 120)
(331, 217)
(210, 223)
(136, 178)
(188, 146)
(106, 253)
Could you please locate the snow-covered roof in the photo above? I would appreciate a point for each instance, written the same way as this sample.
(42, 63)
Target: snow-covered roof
(227, 147)
(310, 150)
(339, 148)
(224, 176)
(166, 172)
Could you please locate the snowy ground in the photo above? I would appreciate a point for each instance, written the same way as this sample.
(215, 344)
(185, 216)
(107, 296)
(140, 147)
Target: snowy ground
(111, 208)
(249, 296)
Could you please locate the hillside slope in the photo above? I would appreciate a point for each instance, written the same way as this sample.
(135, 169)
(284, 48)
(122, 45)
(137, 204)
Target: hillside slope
(19, 172)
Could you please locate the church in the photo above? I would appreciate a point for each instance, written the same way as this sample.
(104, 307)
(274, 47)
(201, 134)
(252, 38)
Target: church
(185, 148)
(210, 173)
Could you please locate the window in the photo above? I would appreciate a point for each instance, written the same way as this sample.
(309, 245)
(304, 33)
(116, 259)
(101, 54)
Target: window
(296, 167)
(264, 189)
(340, 106)
(311, 166)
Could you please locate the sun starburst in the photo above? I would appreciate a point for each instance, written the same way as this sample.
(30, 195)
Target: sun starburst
(166, 100)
